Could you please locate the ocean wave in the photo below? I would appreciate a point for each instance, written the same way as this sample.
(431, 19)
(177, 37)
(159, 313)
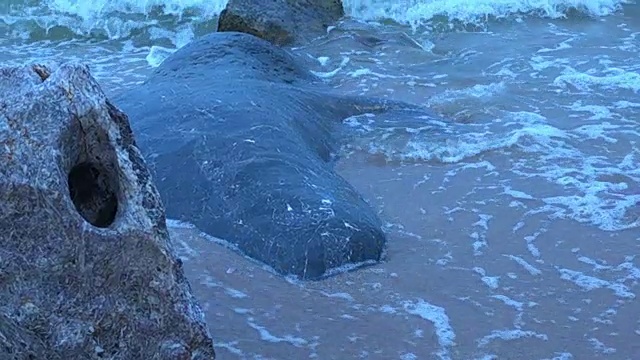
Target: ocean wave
(421, 12)
(121, 19)
(106, 19)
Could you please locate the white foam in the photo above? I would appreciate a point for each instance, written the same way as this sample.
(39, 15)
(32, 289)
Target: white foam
(178, 224)
(599, 111)
(471, 143)
(493, 282)
(104, 13)
(594, 263)
(95, 9)
(334, 72)
(269, 337)
(623, 104)
(562, 356)
(387, 309)
(236, 294)
(179, 37)
(475, 91)
(589, 283)
(437, 316)
(510, 335)
(633, 271)
(540, 63)
(591, 207)
(115, 19)
(408, 356)
(509, 301)
(418, 12)
(488, 357)
(564, 45)
(480, 242)
(341, 295)
(517, 194)
(617, 79)
(323, 60)
(601, 347)
(230, 347)
(530, 268)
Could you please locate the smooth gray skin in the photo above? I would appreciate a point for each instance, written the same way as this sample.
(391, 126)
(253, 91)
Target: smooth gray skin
(86, 268)
(241, 136)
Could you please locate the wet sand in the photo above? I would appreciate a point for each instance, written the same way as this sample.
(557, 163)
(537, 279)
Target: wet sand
(469, 274)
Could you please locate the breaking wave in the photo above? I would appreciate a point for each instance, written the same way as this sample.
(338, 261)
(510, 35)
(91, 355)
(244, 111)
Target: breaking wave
(180, 20)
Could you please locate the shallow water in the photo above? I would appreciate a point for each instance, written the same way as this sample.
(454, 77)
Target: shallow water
(513, 214)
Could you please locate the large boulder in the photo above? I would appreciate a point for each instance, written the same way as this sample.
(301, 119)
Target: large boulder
(86, 267)
(241, 138)
(282, 22)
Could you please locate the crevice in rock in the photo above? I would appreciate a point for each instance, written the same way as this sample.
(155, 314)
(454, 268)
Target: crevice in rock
(92, 173)
(93, 194)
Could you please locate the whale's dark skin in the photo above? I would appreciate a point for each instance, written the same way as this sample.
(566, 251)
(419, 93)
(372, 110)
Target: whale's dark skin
(240, 137)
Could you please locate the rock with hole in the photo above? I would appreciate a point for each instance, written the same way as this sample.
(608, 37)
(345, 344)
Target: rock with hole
(87, 270)
(282, 22)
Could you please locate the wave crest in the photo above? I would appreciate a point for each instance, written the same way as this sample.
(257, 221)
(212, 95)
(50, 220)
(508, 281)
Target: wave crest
(122, 19)
(473, 12)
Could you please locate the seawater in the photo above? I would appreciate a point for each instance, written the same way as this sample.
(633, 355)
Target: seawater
(512, 211)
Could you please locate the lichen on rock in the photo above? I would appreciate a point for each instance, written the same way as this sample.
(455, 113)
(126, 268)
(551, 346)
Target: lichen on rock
(87, 270)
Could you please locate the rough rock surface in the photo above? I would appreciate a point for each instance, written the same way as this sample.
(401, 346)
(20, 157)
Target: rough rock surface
(86, 267)
(282, 22)
(241, 138)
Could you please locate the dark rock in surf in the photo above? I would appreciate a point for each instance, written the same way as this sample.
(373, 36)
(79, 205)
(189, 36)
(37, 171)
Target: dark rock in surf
(86, 267)
(241, 140)
(282, 22)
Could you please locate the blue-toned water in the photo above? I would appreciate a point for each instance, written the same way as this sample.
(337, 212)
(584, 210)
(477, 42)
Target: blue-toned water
(514, 221)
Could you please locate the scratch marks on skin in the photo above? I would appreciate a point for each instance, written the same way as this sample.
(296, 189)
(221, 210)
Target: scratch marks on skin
(326, 206)
(351, 227)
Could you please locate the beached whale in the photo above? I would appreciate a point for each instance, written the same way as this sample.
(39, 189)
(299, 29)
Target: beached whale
(240, 137)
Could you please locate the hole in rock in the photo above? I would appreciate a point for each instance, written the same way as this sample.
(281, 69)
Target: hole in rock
(94, 192)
